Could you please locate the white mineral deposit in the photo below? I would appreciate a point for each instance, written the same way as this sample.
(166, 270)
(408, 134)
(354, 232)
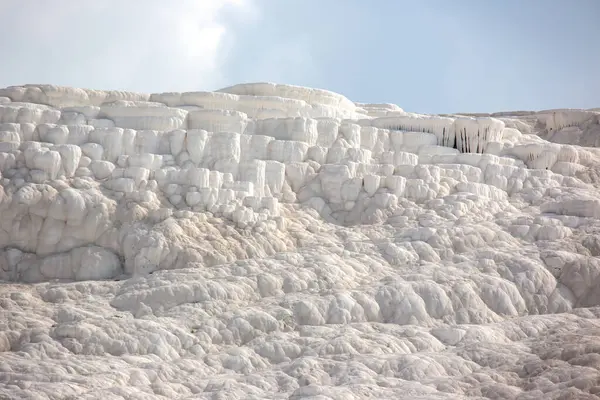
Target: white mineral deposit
(270, 241)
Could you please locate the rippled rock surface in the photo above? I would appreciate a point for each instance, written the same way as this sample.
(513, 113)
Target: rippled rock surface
(271, 241)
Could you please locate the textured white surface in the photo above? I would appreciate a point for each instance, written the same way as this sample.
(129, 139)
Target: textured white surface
(273, 241)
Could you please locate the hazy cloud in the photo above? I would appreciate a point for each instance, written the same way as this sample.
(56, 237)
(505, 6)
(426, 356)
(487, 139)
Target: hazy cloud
(145, 45)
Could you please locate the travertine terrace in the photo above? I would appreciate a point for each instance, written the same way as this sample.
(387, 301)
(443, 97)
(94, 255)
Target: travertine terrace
(269, 241)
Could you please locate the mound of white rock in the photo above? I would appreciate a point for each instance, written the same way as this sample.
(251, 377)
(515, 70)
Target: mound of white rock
(85, 168)
(275, 241)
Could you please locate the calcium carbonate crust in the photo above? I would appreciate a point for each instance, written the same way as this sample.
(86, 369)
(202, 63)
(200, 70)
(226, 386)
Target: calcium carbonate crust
(275, 241)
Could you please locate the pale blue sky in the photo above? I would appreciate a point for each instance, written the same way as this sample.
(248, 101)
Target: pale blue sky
(433, 56)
